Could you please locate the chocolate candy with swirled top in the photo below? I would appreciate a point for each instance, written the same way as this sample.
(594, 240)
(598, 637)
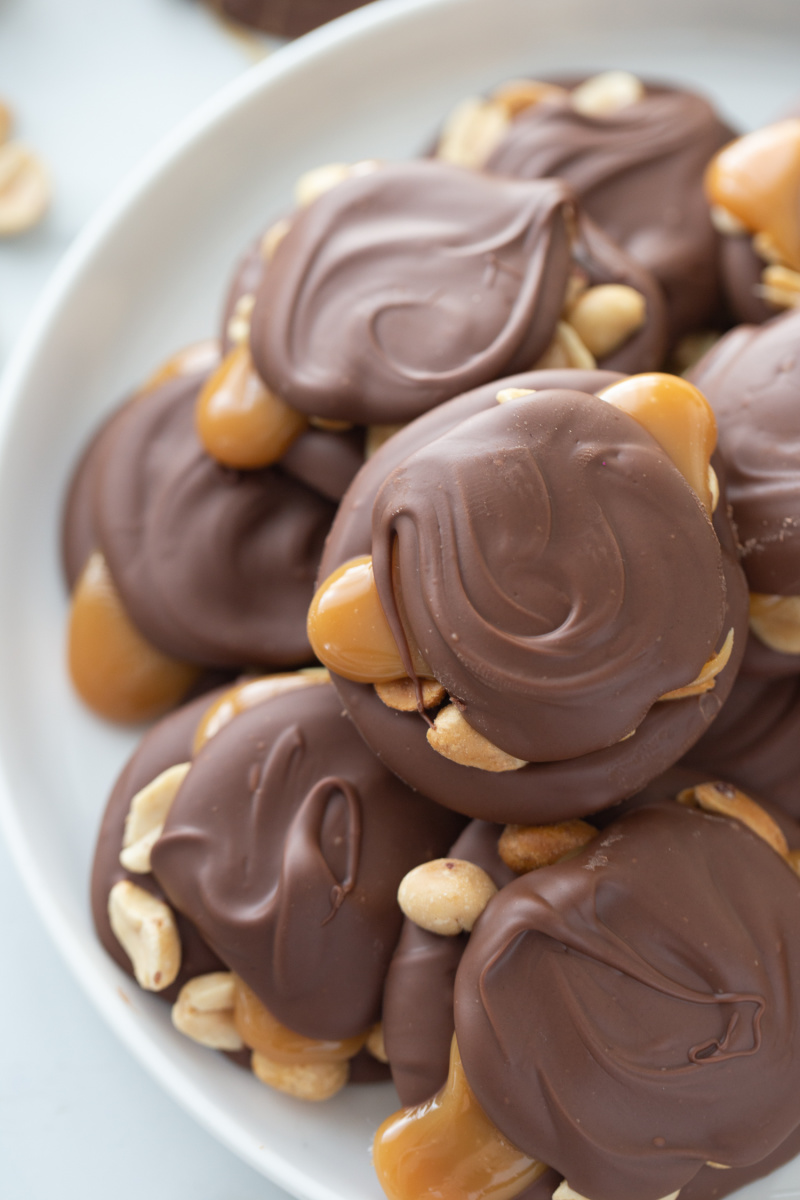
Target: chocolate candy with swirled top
(207, 565)
(662, 968)
(547, 576)
(293, 878)
(406, 284)
(635, 154)
(752, 381)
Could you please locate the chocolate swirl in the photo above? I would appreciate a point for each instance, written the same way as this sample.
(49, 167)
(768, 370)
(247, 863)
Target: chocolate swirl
(214, 566)
(625, 1016)
(537, 556)
(400, 288)
(752, 380)
(293, 879)
(545, 791)
(638, 173)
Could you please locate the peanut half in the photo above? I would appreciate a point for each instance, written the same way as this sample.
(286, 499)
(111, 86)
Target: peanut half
(453, 737)
(145, 928)
(526, 848)
(204, 1011)
(306, 1081)
(729, 801)
(146, 816)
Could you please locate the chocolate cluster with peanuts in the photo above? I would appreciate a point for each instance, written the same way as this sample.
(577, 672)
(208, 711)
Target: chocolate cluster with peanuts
(510, 532)
(405, 284)
(634, 152)
(753, 187)
(179, 563)
(752, 381)
(583, 1041)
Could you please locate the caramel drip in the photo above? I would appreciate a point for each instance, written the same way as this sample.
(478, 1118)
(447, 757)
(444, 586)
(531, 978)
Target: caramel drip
(191, 360)
(259, 1030)
(348, 629)
(757, 180)
(448, 1149)
(679, 418)
(116, 671)
(247, 695)
(239, 421)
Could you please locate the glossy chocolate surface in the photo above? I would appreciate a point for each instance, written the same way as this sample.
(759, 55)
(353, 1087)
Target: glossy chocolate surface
(402, 287)
(755, 743)
(638, 173)
(418, 1021)
(286, 846)
(213, 565)
(537, 554)
(752, 381)
(287, 18)
(631, 1014)
(541, 791)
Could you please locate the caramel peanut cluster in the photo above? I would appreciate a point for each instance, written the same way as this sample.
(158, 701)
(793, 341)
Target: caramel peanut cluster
(459, 578)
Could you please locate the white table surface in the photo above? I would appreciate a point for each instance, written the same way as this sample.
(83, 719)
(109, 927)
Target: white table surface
(94, 84)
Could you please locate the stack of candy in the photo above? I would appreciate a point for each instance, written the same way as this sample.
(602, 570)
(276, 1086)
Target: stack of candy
(481, 469)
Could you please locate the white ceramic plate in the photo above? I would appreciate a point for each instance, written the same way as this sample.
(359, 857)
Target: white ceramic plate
(148, 275)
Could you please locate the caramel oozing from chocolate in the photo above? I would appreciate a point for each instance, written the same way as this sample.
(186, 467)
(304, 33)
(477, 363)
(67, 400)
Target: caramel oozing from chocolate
(679, 418)
(240, 422)
(119, 674)
(200, 356)
(247, 695)
(348, 629)
(448, 1149)
(757, 179)
(259, 1030)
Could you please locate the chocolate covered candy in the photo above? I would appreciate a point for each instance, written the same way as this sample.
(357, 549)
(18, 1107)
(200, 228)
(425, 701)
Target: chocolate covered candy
(635, 155)
(606, 1032)
(752, 381)
(464, 507)
(406, 284)
(292, 879)
(753, 185)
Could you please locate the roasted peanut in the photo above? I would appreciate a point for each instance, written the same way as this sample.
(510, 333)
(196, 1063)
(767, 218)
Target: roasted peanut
(446, 895)
(453, 737)
(145, 928)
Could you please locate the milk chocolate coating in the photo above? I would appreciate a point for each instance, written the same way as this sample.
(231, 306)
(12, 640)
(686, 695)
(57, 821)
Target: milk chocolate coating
(418, 1022)
(287, 18)
(755, 743)
(398, 289)
(213, 565)
(165, 745)
(741, 278)
(752, 380)
(633, 1013)
(537, 555)
(539, 792)
(78, 533)
(286, 846)
(638, 173)
(247, 276)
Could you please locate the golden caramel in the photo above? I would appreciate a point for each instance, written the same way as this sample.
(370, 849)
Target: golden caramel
(680, 419)
(114, 669)
(757, 180)
(239, 421)
(200, 356)
(349, 632)
(247, 695)
(259, 1030)
(775, 620)
(448, 1149)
